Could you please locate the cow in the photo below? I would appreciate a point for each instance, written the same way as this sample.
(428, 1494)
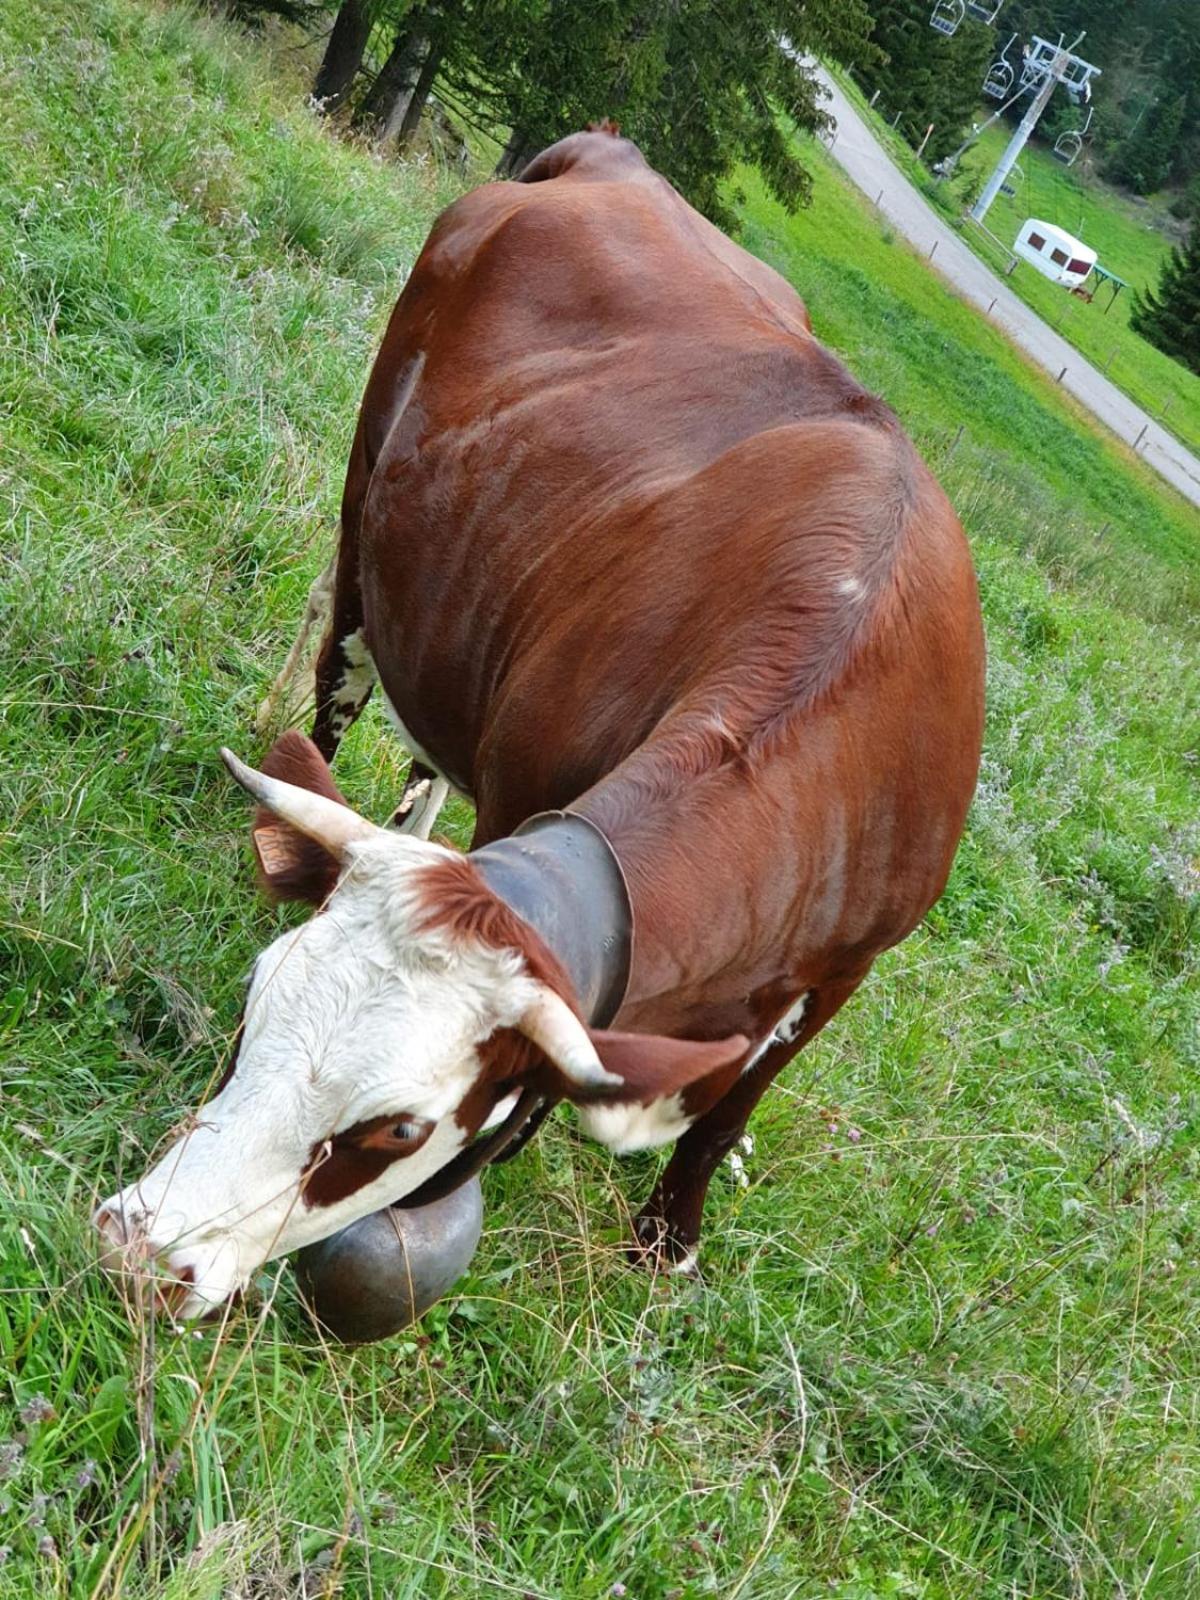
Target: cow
(646, 575)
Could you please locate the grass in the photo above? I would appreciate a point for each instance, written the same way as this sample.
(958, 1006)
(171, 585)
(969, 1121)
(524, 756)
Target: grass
(945, 1344)
(1133, 240)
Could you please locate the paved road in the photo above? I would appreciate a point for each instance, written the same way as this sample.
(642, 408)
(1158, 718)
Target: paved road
(867, 165)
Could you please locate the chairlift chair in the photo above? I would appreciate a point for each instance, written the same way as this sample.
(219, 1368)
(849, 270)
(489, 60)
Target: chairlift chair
(1015, 176)
(999, 79)
(1001, 75)
(982, 11)
(947, 14)
(1068, 146)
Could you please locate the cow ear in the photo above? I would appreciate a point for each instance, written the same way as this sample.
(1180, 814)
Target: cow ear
(651, 1067)
(291, 866)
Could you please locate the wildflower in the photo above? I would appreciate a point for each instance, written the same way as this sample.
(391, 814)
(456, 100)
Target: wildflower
(37, 1409)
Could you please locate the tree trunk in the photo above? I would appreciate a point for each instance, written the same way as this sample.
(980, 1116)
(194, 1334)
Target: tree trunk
(382, 112)
(343, 54)
(420, 95)
(516, 155)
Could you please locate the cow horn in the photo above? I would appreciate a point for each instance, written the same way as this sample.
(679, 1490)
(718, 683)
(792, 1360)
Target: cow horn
(330, 823)
(551, 1024)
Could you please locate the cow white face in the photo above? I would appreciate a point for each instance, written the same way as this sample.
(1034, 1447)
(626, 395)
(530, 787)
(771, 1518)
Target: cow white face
(367, 1056)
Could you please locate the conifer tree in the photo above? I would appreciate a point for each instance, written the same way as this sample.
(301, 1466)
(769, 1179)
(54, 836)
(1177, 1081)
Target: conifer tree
(1170, 318)
(1143, 162)
(923, 77)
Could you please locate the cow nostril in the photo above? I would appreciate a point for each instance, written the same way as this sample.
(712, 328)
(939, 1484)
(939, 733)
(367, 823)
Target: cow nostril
(114, 1239)
(171, 1287)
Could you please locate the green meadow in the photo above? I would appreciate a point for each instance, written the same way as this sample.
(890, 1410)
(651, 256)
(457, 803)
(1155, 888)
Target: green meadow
(944, 1345)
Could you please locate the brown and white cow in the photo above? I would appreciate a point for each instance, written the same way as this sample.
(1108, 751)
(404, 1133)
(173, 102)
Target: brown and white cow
(645, 573)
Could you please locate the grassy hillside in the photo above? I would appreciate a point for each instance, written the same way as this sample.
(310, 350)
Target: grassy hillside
(945, 1342)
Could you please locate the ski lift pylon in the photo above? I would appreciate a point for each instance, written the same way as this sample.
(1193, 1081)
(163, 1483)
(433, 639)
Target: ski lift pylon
(947, 14)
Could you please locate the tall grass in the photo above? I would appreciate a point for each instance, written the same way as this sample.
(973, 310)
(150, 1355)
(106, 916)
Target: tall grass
(944, 1345)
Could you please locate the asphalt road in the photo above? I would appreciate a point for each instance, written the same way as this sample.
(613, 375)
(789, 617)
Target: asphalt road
(868, 166)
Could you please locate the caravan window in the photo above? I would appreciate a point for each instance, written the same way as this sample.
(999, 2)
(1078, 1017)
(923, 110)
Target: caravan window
(1036, 242)
(1080, 266)
(1059, 257)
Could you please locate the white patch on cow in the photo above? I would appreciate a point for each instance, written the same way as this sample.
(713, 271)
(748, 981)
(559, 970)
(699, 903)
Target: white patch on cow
(424, 807)
(785, 1030)
(406, 738)
(625, 1128)
(360, 1013)
(851, 588)
(498, 1115)
(687, 1266)
(357, 681)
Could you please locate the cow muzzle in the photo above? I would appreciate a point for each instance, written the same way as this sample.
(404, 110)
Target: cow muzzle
(180, 1283)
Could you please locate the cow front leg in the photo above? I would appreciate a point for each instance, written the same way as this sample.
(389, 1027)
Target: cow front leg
(667, 1229)
(425, 793)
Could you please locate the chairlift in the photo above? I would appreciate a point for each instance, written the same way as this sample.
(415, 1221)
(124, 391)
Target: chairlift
(947, 14)
(1009, 186)
(1000, 75)
(1067, 146)
(999, 80)
(982, 11)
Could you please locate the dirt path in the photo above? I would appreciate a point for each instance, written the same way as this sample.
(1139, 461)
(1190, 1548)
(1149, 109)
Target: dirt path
(868, 166)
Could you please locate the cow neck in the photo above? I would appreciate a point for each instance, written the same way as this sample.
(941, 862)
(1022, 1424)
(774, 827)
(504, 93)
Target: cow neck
(559, 873)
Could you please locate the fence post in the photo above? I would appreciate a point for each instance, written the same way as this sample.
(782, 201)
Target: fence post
(924, 141)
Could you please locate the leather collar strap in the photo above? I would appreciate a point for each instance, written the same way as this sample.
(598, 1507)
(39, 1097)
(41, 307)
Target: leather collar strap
(560, 874)
(526, 1114)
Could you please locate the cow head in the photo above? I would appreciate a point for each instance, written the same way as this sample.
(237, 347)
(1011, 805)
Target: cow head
(377, 1039)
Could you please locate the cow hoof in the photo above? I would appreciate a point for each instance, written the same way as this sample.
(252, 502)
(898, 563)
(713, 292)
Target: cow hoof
(655, 1248)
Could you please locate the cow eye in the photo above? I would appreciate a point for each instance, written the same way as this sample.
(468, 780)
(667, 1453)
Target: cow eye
(406, 1130)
